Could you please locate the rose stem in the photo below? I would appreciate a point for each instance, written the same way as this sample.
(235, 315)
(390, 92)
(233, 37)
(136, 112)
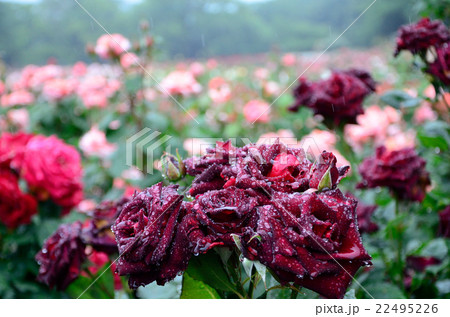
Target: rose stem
(252, 285)
(294, 293)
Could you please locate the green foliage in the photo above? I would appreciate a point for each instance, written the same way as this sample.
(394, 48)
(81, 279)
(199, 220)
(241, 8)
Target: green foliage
(194, 289)
(193, 29)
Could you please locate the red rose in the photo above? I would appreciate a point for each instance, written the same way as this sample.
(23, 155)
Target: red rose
(16, 208)
(150, 246)
(222, 213)
(53, 168)
(61, 256)
(444, 222)
(440, 68)
(98, 232)
(418, 37)
(338, 98)
(12, 147)
(310, 239)
(402, 171)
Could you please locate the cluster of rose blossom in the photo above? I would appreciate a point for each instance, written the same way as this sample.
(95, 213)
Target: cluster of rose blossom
(430, 40)
(53, 83)
(116, 46)
(50, 168)
(270, 201)
(379, 126)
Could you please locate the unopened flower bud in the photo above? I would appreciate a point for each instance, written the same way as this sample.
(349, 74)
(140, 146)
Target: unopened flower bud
(173, 167)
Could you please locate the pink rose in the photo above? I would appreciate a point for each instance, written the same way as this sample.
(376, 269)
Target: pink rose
(111, 45)
(19, 117)
(129, 59)
(288, 60)
(180, 83)
(424, 113)
(53, 169)
(17, 98)
(94, 143)
(219, 90)
(197, 69)
(256, 111)
(59, 88)
(79, 69)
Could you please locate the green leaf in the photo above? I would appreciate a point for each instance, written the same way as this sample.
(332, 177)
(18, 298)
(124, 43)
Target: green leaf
(435, 248)
(325, 182)
(194, 289)
(102, 285)
(443, 286)
(384, 290)
(209, 269)
(350, 294)
(400, 99)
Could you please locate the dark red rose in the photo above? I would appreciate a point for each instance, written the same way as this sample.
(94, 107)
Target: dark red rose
(222, 154)
(420, 263)
(364, 214)
(444, 222)
(418, 37)
(265, 168)
(97, 232)
(440, 68)
(150, 246)
(402, 171)
(364, 76)
(53, 170)
(208, 168)
(339, 98)
(269, 167)
(222, 213)
(12, 147)
(16, 208)
(61, 256)
(310, 239)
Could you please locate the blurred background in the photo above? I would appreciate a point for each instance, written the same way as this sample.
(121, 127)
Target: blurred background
(35, 30)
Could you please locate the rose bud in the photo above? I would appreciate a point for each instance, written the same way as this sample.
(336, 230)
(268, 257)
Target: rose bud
(324, 174)
(173, 167)
(418, 37)
(440, 68)
(61, 256)
(338, 99)
(402, 171)
(444, 222)
(52, 169)
(16, 208)
(149, 245)
(310, 239)
(98, 232)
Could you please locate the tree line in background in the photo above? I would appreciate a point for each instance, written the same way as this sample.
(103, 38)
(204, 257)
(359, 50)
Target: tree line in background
(33, 33)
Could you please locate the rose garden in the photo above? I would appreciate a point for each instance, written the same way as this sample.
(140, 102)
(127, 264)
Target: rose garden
(341, 191)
